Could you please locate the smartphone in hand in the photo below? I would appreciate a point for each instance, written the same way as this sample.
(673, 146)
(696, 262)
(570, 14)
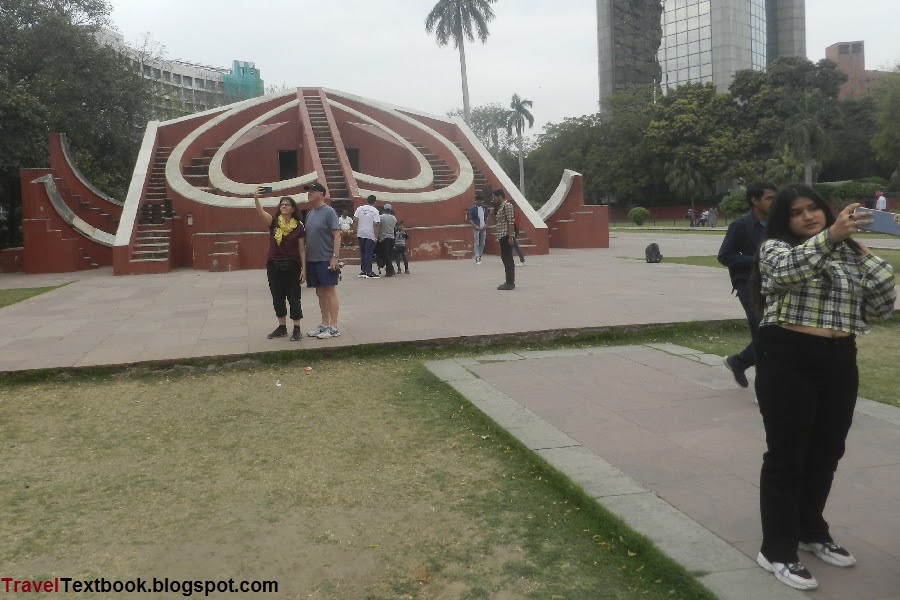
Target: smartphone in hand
(265, 189)
(882, 222)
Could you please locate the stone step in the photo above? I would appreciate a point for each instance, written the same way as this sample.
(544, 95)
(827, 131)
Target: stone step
(148, 260)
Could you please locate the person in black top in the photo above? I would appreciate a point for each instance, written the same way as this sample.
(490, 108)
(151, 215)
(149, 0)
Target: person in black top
(284, 264)
(742, 240)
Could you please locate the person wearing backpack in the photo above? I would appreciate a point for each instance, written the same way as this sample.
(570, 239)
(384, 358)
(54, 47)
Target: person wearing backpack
(742, 240)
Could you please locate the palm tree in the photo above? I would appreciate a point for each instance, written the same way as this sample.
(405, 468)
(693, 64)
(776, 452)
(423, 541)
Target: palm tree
(685, 180)
(459, 20)
(515, 121)
(806, 131)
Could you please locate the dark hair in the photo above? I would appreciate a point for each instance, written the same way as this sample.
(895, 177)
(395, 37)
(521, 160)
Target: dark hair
(758, 190)
(295, 213)
(500, 193)
(479, 197)
(371, 199)
(778, 227)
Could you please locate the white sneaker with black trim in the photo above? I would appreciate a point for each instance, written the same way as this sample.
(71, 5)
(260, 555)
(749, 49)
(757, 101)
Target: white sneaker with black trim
(833, 554)
(330, 332)
(793, 574)
(315, 332)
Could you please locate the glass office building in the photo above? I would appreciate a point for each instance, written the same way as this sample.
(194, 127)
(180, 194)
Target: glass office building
(698, 40)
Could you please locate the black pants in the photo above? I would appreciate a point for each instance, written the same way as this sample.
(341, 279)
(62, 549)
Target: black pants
(400, 253)
(507, 258)
(747, 357)
(806, 387)
(383, 252)
(285, 285)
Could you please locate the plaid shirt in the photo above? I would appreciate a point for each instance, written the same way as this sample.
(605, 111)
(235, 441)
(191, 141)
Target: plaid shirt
(820, 284)
(506, 216)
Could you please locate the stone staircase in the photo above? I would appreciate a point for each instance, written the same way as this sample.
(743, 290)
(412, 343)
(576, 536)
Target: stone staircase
(331, 164)
(95, 216)
(443, 174)
(482, 185)
(457, 249)
(223, 256)
(154, 231)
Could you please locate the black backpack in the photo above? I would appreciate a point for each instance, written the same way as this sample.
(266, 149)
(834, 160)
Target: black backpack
(652, 253)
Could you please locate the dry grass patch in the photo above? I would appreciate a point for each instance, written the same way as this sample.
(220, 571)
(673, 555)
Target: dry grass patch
(365, 478)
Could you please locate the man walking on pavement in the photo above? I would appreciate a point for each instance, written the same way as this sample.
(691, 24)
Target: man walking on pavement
(742, 240)
(323, 244)
(506, 234)
(367, 226)
(478, 220)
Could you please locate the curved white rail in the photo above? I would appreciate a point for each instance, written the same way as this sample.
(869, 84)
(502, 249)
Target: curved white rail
(426, 174)
(78, 224)
(67, 153)
(559, 195)
(463, 181)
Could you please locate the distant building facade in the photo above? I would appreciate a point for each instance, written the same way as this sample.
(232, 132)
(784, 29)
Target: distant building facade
(664, 43)
(850, 58)
(182, 87)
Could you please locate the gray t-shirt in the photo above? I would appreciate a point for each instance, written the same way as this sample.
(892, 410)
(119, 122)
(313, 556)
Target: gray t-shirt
(388, 221)
(320, 224)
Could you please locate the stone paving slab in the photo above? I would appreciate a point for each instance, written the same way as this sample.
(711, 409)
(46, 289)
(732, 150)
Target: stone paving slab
(685, 472)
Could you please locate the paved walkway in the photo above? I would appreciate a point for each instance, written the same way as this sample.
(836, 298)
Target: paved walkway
(661, 436)
(680, 444)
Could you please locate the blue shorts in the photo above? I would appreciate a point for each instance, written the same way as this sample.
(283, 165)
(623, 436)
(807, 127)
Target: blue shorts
(319, 275)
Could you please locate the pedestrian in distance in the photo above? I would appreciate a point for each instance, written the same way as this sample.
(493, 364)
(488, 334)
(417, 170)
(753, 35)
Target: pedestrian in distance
(385, 248)
(323, 246)
(737, 252)
(347, 233)
(367, 220)
(284, 262)
(400, 242)
(817, 288)
(506, 235)
(881, 201)
(478, 220)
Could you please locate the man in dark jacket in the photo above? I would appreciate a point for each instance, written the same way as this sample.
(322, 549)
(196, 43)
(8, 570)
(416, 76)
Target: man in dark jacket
(742, 240)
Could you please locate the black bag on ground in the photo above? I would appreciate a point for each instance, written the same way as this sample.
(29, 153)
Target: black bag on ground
(652, 253)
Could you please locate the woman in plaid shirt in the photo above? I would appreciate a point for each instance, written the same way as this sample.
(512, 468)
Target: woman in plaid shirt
(816, 289)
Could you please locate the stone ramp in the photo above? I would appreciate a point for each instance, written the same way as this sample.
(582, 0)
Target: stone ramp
(661, 436)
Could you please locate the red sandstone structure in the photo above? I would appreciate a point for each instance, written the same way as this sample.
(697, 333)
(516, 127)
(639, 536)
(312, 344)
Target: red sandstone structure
(190, 202)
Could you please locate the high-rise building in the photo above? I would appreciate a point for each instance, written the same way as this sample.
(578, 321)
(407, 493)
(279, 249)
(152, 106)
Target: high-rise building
(182, 87)
(663, 43)
(850, 58)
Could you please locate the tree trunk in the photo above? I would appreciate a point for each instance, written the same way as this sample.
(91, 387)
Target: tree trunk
(808, 172)
(521, 167)
(465, 81)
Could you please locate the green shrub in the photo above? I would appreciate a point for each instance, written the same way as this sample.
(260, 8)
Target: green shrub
(734, 204)
(638, 215)
(843, 192)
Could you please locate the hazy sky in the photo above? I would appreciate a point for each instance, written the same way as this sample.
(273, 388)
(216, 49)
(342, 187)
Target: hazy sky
(544, 50)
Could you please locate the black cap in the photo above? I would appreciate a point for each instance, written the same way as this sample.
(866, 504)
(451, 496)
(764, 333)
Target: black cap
(315, 187)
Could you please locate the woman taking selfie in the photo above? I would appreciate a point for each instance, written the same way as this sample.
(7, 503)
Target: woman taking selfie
(816, 289)
(284, 265)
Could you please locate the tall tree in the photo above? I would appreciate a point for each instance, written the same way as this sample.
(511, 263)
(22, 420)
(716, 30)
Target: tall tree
(686, 180)
(517, 118)
(808, 132)
(55, 77)
(459, 20)
(887, 139)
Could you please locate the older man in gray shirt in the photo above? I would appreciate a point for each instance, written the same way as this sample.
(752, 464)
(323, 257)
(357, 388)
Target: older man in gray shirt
(386, 240)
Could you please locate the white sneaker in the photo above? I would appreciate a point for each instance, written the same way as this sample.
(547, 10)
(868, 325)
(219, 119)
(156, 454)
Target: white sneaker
(792, 574)
(330, 332)
(478, 261)
(315, 332)
(833, 554)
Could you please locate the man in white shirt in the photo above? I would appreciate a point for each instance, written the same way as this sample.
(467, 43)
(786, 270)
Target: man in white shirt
(881, 203)
(367, 221)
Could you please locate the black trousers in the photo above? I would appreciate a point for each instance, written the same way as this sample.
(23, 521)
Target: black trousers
(383, 255)
(507, 257)
(747, 357)
(400, 253)
(806, 387)
(285, 285)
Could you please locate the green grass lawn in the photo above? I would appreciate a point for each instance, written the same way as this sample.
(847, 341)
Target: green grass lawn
(363, 478)
(12, 296)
